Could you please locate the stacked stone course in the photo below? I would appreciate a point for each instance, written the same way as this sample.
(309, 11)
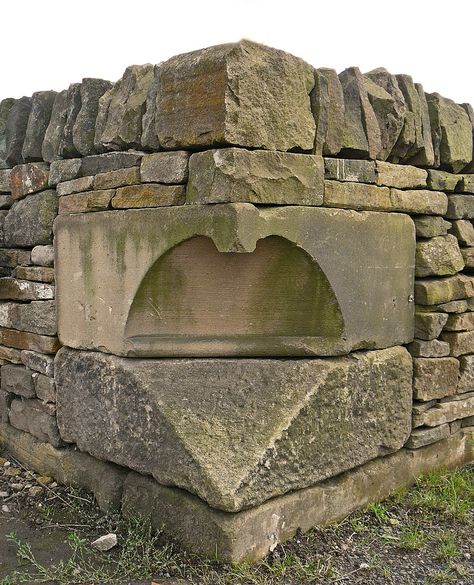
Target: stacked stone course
(351, 199)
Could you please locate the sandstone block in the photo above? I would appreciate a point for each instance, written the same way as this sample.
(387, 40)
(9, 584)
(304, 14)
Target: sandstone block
(466, 184)
(85, 202)
(434, 377)
(39, 362)
(466, 374)
(10, 258)
(35, 273)
(419, 201)
(118, 178)
(29, 222)
(43, 255)
(10, 355)
(61, 171)
(443, 290)
(460, 343)
(430, 227)
(110, 161)
(470, 113)
(5, 401)
(83, 131)
(426, 436)
(22, 290)
(35, 317)
(429, 325)
(445, 411)
(38, 121)
(332, 110)
(5, 181)
(5, 107)
(6, 312)
(460, 322)
(37, 418)
(166, 167)
(442, 180)
(438, 256)
(213, 83)
(55, 129)
(73, 105)
(400, 176)
(453, 306)
(468, 257)
(18, 380)
(237, 175)
(357, 171)
(464, 231)
(149, 131)
(301, 459)
(460, 207)
(45, 388)
(75, 186)
(15, 130)
(148, 195)
(29, 178)
(119, 119)
(31, 341)
(428, 349)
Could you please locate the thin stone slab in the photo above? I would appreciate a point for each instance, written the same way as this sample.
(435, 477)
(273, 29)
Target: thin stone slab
(75, 186)
(334, 111)
(149, 139)
(358, 171)
(118, 178)
(38, 121)
(86, 202)
(32, 341)
(110, 161)
(446, 411)
(262, 451)
(23, 290)
(443, 290)
(426, 436)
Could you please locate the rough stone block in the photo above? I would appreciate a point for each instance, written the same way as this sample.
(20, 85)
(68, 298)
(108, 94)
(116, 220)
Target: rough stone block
(327, 105)
(237, 175)
(166, 167)
(43, 255)
(15, 130)
(434, 377)
(39, 362)
(346, 169)
(430, 227)
(23, 290)
(55, 129)
(5, 401)
(442, 180)
(438, 256)
(29, 178)
(148, 195)
(419, 201)
(354, 273)
(299, 448)
(466, 184)
(36, 418)
(460, 207)
(468, 257)
(10, 258)
(448, 410)
(5, 180)
(73, 105)
(36, 317)
(426, 436)
(460, 343)
(45, 388)
(35, 273)
(466, 375)
(460, 322)
(464, 231)
(5, 107)
(75, 186)
(118, 178)
(110, 161)
(241, 94)
(428, 349)
(85, 202)
(38, 121)
(83, 131)
(26, 340)
(149, 135)
(29, 222)
(10, 355)
(429, 325)
(400, 176)
(61, 171)
(443, 290)
(18, 380)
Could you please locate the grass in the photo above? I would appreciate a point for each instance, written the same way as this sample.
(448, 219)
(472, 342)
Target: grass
(432, 521)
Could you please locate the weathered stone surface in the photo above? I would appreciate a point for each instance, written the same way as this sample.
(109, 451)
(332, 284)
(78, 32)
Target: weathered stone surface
(460, 207)
(6, 311)
(452, 133)
(45, 388)
(3, 215)
(35, 317)
(400, 176)
(29, 178)
(10, 258)
(10, 355)
(35, 273)
(427, 436)
(429, 325)
(36, 418)
(119, 120)
(430, 227)
(18, 380)
(26, 340)
(67, 466)
(372, 197)
(166, 167)
(55, 129)
(434, 377)
(110, 161)
(43, 255)
(30, 221)
(5, 401)
(389, 107)
(442, 180)
(5, 107)
(414, 143)
(466, 374)
(75, 186)
(446, 411)
(470, 113)
(5, 182)
(118, 178)
(241, 94)
(149, 140)
(438, 256)
(86, 202)
(15, 130)
(39, 362)
(233, 476)
(250, 534)
(361, 136)
(83, 131)
(443, 290)
(433, 348)
(236, 175)
(64, 170)
(22, 290)
(466, 184)
(358, 171)
(73, 100)
(355, 270)
(38, 121)
(148, 195)
(462, 322)
(319, 99)
(464, 231)
(335, 111)
(468, 257)
(460, 343)
(454, 306)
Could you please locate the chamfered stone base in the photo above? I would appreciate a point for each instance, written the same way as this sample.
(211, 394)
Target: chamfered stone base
(236, 432)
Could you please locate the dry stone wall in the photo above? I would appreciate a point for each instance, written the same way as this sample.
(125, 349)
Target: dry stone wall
(237, 293)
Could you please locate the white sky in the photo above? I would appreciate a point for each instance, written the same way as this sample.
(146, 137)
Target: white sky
(48, 44)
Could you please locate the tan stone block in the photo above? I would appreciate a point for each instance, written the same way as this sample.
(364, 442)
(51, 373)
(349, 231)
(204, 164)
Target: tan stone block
(86, 202)
(464, 231)
(400, 176)
(442, 180)
(460, 343)
(26, 340)
(439, 256)
(466, 374)
(460, 207)
(434, 377)
(466, 184)
(429, 325)
(430, 226)
(460, 322)
(148, 195)
(35, 273)
(118, 178)
(434, 348)
(165, 167)
(347, 169)
(443, 290)
(468, 257)
(426, 436)
(446, 411)
(75, 186)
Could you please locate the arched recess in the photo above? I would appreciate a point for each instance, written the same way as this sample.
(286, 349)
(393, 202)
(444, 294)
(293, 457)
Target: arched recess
(193, 290)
